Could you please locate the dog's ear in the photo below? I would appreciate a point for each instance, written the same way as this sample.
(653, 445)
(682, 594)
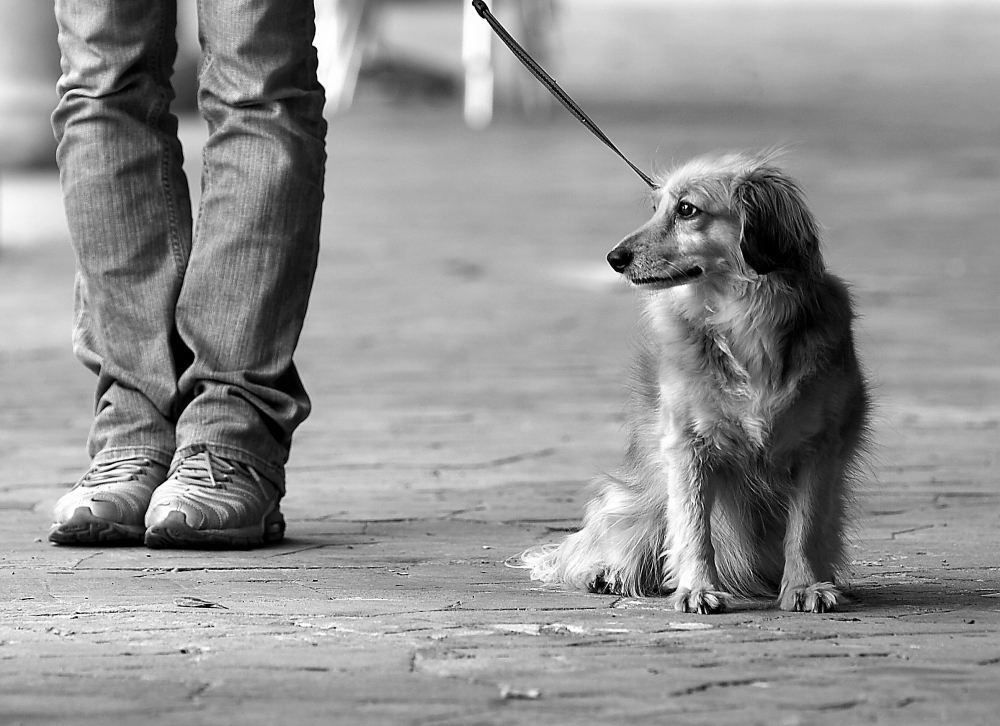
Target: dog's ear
(779, 231)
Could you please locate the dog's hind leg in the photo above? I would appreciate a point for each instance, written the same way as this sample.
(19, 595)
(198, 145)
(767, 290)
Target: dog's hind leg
(616, 550)
(814, 538)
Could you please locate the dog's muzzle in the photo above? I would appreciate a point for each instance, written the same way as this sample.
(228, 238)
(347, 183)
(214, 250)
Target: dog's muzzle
(621, 257)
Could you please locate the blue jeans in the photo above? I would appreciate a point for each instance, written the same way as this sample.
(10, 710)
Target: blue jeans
(191, 328)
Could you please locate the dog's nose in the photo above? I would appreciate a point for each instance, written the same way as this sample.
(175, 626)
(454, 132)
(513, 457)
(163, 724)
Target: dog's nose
(619, 258)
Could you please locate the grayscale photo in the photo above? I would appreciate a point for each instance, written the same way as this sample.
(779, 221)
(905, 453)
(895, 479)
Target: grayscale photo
(499, 362)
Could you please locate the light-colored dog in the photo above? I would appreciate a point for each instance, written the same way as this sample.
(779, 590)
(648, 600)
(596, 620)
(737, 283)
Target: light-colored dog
(750, 410)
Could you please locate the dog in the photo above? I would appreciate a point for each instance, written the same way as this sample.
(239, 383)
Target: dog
(749, 415)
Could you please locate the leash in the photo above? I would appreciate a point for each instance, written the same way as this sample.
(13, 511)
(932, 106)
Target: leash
(546, 80)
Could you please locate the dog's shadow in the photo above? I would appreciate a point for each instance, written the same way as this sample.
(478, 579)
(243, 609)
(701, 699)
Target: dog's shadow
(892, 600)
(899, 600)
(922, 597)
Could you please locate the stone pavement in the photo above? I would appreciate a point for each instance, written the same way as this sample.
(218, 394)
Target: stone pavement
(466, 352)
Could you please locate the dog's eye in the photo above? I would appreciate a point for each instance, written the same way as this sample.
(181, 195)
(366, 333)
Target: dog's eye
(686, 210)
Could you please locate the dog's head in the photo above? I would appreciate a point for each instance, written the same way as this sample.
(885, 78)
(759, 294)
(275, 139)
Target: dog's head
(720, 218)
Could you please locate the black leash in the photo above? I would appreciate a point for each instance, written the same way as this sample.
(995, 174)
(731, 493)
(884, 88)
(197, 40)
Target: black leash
(546, 80)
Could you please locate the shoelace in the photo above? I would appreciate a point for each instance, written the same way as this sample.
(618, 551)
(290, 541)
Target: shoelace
(200, 470)
(115, 472)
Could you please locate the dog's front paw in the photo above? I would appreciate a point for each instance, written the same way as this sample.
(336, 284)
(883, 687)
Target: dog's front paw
(820, 597)
(703, 602)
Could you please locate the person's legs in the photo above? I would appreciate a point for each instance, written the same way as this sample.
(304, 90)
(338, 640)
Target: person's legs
(244, 296)
(129, 217)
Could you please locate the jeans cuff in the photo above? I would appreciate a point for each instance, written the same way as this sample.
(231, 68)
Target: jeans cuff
(117, 453)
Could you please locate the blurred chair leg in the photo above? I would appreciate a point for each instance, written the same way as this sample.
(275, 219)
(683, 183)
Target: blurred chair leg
(477, 40)
(340, 31)
(29, 68)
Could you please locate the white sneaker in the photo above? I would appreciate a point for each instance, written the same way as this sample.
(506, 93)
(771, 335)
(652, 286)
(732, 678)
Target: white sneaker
(212, 502)
(108, 504)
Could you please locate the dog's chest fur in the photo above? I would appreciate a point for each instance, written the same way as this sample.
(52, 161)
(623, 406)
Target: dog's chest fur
(719, 388)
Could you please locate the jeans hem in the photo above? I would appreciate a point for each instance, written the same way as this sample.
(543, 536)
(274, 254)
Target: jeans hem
(274, 473)
(116, 453)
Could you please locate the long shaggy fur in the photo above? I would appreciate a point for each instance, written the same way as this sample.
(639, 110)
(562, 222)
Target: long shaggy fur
(749, 410)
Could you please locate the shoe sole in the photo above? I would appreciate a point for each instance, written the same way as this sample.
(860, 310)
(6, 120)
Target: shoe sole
(83, 528)
(174, 532)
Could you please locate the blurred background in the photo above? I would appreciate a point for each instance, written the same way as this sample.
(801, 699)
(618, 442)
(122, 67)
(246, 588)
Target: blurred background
(863, 67)
(867, 67)
(463, 309)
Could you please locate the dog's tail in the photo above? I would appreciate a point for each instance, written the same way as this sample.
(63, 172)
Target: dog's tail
(564, 562)
(541, 560)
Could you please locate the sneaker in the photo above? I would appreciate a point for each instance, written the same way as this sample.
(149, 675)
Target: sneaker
(209, 501)
(108, 504)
